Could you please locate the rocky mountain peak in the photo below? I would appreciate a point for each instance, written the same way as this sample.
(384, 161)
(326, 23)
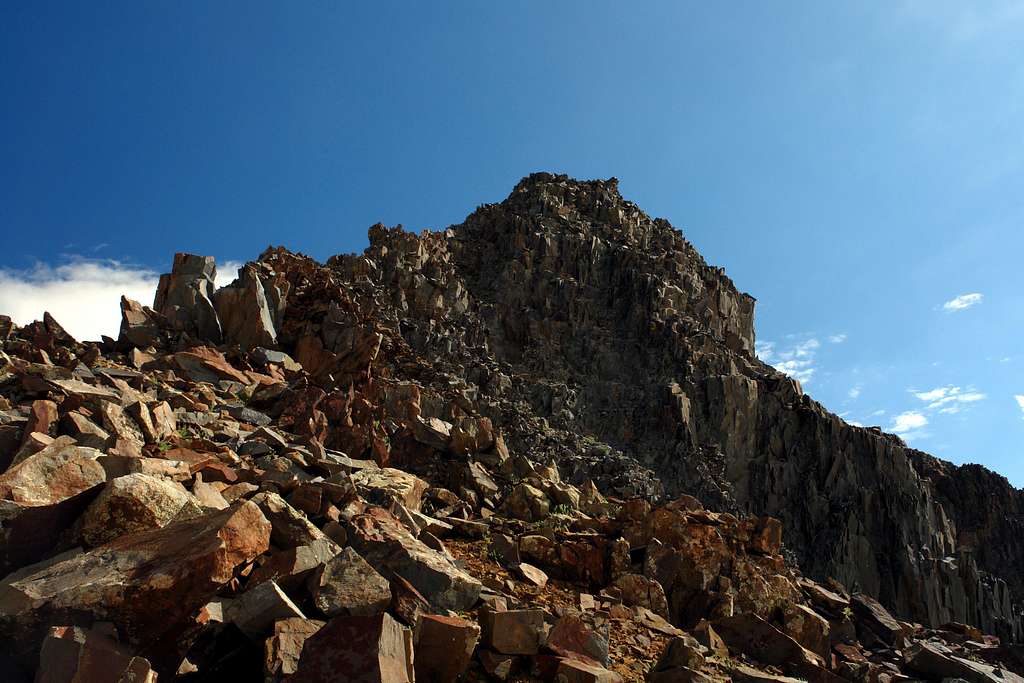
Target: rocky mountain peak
(560, 389)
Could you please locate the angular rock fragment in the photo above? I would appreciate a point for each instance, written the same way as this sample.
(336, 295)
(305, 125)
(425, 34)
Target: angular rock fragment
(283, 650)
(391, 549)
(367, 649)
(256, 610)
(347, 585)
(444, 647)
(513, 632)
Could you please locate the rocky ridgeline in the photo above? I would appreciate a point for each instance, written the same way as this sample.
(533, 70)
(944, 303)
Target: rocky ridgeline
(536, 446)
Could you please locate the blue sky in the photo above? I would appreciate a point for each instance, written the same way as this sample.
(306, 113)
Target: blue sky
(855, 166)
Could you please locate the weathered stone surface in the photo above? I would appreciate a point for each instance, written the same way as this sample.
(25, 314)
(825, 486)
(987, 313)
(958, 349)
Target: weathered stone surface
(256, 610)
(513, 632)
(640, 590)
(444, 646)
(291, 567)
(574, 671)
(146, 583)
(368, 649)
(381, 486)
(132, 503)
(139, 325)
(291, 528)
(283, 649)
(206, 364)
(85, 432)
(571, 637)
(753, 636)
(526, 503)
(348, 585)
(681, 652)
(391, 549)
(808, 628)
(868, 611)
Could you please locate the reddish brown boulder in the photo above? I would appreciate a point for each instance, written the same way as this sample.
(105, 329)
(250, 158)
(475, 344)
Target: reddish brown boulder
(391, 549)
(133, 503)
(41, 496)
(147, 584)
(444, 647)
(375, 649)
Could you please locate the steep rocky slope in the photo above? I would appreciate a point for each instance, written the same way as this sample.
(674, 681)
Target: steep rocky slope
(519, 388)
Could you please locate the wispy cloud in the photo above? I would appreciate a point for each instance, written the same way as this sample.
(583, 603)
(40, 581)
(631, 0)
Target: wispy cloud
(854, 392)
(796, 360)
(837, 338)
(1019, 398)
(948, 399)
(83, 294)
(963, 302)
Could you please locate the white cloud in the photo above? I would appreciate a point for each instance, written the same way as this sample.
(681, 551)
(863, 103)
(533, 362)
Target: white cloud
(948, 399)
(83, 294)
(878, 413)
(854, 392)
(837, 338)
(962, 302)
(1019, 398)
(909, 424)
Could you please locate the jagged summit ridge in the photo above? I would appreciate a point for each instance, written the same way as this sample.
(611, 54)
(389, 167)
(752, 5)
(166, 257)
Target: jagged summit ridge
(554, 348)
(609, 326)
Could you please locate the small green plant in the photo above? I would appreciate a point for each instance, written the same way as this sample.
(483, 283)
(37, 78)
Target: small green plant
(164, 446)
(847, 612)
(562, 509)
(185, 432)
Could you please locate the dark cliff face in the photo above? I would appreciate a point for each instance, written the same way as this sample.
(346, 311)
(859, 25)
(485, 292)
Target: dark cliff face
(596, 337)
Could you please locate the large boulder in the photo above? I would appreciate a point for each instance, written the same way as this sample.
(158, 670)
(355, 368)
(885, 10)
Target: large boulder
(244, 314)
(367, 649)
(387, 485)
(41, 496)
(444, 647)
(147, 584)
(133, 503)
(393, 550)
(185, 297)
